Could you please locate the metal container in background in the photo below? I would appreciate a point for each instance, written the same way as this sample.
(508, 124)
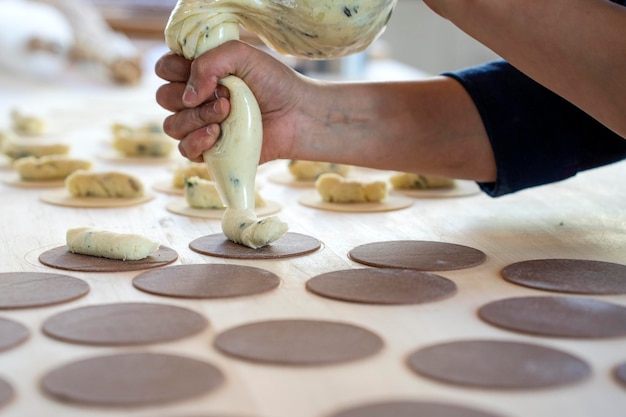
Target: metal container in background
(348, 67)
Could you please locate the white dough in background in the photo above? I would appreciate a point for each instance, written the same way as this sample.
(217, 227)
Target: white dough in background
(333, 188)
(26, 124)
(48, 167)
(16, 147)
(201, 193)
(111, 184)
(311, 170)
(188, 170)
(143, 140)
(410, 181)
(35, 38)
(42, 38)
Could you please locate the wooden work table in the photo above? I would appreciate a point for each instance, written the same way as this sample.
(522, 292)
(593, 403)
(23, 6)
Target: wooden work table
(583, 217)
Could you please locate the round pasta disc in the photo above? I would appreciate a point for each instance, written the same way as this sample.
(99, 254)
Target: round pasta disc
(290, 245)
(180, 207)
(131, 379)
(298, 342)
(461, 188)
(557, 316)
(390, 203)
(36, 289)
(61, 258)
(166, 187)
(498, 365)
(12, 334)
(15, 180)
(410, 408)
(382, 286)
(206, 281)
(121, 324)
(576, 276)
(7, 393)
(620, 373)
(417, 254)
(64, 198)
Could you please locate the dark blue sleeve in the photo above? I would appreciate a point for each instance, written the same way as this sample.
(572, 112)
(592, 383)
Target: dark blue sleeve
(537, 137)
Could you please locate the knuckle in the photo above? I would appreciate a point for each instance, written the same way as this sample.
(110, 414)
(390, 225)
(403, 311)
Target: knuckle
(201, 115)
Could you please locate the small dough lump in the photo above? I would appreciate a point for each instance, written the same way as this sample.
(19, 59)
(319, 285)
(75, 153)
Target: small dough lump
(333, 188)
(409, 181)
(203, 194)
(193, 169)
(111, 245)
(244, 227)
(311, 170)
(146, 140)
(15, 147)
(48, 167)
(27, 124)
(83, 183)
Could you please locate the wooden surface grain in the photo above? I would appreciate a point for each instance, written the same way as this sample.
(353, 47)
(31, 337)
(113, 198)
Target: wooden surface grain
(583, 217)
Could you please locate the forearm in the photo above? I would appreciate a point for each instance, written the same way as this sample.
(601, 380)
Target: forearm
(430, 127)
(573, 47)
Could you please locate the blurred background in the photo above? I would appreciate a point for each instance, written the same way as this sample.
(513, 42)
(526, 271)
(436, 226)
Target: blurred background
(108, 39)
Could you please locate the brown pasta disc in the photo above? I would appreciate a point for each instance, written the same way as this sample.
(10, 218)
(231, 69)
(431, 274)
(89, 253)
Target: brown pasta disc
(557, 316)
(298, 342)
(12, 334)
(124, 324)
(576, 276)
(620, 373)
(36, 289)
(206, 281)
(382, 286)
(62, 258)
(418, 255)
(290, 245)
(7, 393)
(498, 365)
(411, 409)
(131, 379)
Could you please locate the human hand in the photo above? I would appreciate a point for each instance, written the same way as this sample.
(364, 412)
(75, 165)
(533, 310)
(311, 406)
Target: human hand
(199, 104)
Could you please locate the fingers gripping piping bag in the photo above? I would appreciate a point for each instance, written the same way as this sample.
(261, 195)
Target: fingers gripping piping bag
(315, 29)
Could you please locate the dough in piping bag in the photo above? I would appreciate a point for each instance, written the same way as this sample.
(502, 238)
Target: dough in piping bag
(315, 29)
(304, 28)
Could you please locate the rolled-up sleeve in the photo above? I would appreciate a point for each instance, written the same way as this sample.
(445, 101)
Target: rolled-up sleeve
(537, 137)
